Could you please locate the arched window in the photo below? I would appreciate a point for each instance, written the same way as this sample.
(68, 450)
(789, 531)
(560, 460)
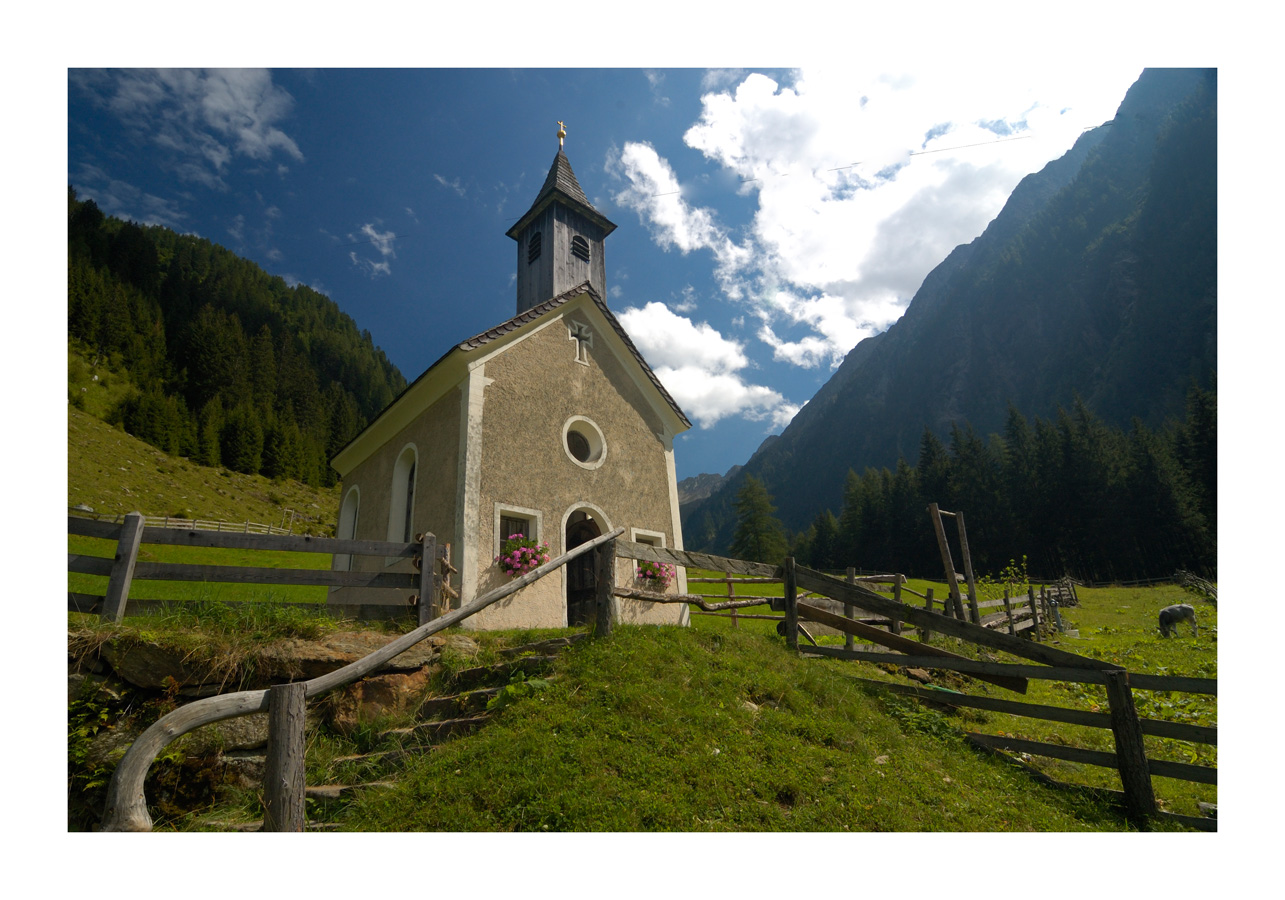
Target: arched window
(533, 248)
(402, 506)
(347, 530)
(580, 248)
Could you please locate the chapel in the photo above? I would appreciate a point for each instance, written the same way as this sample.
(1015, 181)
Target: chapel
(550, 425)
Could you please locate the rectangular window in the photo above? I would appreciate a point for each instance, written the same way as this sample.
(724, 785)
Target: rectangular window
(510, 526)
(510, 519)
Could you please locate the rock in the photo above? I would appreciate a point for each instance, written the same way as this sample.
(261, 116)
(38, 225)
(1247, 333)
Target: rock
(150, 666)
(919, 675)
(462, 644)
(295, 659)
(377, 696)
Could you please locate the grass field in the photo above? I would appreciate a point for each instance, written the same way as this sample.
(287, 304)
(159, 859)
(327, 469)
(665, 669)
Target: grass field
(1113, 623)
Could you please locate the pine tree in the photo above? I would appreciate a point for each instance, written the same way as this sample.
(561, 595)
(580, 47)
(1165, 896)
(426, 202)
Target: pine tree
(759, 534)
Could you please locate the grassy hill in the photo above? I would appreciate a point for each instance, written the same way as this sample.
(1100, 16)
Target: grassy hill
(113, 472)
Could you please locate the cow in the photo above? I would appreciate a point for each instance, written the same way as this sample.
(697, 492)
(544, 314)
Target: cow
(1170, 616)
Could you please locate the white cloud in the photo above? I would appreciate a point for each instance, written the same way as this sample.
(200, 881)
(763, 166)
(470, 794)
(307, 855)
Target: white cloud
(863, 180)
(700, 368)
(453, 184)
(203, 117)
(381, 241)
(125, 201)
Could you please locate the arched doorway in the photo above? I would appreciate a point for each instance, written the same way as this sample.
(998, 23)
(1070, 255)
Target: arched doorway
(581, 527)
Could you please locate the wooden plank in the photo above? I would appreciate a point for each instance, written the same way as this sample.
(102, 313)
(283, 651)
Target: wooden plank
(428, 577)
(1130, 752)
(93, 528)
(89, 565)
(967, 666)
(1180, 731)
(123, 569)
(1038, 748)
(283, 771)
(896, 642)
(604, 558)
(849, 611)
(1161, 768)
(632, 550)
(364, 612)
(791, 605)
(733, 581)
(994, 704)
(968, 568)
(407, 581)
(924, 632)
(291, 543)
(872, 602)
(952, 584)
(1182, 683)
(700, 600)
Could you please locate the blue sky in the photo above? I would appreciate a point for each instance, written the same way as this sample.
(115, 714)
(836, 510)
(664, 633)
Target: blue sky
(768, 219)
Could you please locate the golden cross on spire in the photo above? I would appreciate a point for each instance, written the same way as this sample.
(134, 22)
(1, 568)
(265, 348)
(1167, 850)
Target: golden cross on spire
(562, 133)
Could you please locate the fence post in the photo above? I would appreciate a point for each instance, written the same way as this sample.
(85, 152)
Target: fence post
(731, 595)
(924, 633)
(1130, 753)
(283, 781)
(1035, 610)
(973, 611)
(956, 605)
(849, 610)
(131, 535)
(1008, 608)
(604, 584)
(427, 576)
(791, 605)
(895, 626)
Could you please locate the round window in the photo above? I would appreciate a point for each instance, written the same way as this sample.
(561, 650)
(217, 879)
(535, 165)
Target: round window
(583, 442)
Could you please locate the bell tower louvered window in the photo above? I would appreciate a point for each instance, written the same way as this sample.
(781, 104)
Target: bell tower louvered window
(533, 248)
(580, 248)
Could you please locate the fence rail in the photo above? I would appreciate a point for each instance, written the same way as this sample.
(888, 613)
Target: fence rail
(216, 525)
(1128, 728)
(121, 570)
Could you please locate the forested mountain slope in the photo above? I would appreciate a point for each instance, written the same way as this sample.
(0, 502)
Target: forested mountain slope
(1096, 284)
(233, 366)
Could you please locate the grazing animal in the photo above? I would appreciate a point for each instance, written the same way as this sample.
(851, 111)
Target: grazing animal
(1170, 616)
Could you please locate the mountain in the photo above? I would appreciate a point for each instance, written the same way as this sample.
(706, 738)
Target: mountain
(230, 365)
(698, 487)
(1096, 283)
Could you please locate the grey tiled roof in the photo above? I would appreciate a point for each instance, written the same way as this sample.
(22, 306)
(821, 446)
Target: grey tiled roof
(561, 184)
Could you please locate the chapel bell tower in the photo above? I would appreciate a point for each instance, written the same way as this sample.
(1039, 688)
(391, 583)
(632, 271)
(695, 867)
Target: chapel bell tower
(560, 238)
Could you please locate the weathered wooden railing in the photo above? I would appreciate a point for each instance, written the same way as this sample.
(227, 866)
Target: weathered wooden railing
(1128, 728)
(1130, 759)
(126, 806)
(431, 581)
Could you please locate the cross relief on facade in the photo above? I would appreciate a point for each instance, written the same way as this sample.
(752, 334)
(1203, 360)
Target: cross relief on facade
(580, 333)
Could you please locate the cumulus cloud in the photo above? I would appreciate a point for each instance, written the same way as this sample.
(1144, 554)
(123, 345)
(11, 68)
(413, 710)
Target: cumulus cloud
(204, 118)
(863, 182)
(701, 369)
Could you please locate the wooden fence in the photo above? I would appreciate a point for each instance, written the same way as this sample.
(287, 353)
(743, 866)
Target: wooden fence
(126, 805)
(124, 568)
(246, 527)
(285, 704)
(887, 618)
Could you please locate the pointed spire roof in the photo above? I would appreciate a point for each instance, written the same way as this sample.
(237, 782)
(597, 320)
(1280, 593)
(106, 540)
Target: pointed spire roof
(561, 185)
